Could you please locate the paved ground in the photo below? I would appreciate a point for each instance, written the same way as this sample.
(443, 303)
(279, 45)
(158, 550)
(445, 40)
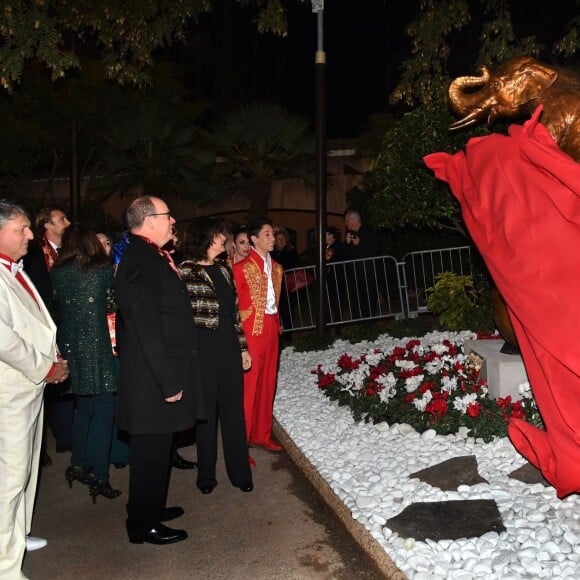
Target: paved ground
(283, 530)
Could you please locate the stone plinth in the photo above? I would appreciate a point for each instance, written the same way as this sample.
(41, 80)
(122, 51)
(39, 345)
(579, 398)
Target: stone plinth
(503, 372)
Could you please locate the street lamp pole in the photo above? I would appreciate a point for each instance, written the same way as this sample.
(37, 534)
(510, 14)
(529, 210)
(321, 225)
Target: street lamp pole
(320, 68)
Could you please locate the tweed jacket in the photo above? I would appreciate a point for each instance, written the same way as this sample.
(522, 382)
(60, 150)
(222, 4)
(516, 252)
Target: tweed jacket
(203, 297)
(252, 284)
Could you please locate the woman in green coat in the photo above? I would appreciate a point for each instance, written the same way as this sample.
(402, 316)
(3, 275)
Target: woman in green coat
(82, 279)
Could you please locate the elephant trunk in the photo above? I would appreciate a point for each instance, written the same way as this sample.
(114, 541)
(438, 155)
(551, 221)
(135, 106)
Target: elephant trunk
(472, 105)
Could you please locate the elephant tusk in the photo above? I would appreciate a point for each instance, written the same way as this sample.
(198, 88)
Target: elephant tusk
(467, 121)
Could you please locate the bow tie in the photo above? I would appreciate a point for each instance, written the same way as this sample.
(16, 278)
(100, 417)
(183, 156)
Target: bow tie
(16, 267)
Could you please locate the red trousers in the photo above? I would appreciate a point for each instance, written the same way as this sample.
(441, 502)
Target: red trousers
(260, 381)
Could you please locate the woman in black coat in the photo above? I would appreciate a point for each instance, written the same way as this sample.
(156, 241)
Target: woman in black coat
(223, 354)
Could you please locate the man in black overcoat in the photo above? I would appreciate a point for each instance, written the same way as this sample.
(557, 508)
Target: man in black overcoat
(159, 390)
(360, 242)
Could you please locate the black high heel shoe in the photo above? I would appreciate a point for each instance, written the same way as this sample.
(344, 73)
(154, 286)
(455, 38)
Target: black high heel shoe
(102, 487)
(77, 473)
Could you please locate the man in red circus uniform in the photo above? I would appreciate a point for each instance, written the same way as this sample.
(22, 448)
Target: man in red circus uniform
(259, 281)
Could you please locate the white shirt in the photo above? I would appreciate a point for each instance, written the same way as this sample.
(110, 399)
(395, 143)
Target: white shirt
(270, 295)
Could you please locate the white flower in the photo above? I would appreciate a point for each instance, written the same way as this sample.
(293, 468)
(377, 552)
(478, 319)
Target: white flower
(421, 403)
(434, 366)
(525, 391)
(389, 390)
(405, 364)
(440, 348)
(374, 358)
(448, 384)
(413, 383)
(461, 403)
(387, 381)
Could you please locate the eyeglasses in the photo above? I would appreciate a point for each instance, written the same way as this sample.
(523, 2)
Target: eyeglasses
(167, 213)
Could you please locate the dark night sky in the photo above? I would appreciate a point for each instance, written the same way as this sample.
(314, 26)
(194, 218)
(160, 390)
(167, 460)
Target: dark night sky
(365, 43)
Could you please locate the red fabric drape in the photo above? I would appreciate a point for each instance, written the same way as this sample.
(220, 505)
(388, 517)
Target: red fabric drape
(520, 198)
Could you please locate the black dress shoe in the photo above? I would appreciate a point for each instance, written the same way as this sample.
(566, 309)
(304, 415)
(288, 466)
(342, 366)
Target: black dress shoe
(180, 463)
(247, 487)
(206, 484)
(171, 513)
(159, 535)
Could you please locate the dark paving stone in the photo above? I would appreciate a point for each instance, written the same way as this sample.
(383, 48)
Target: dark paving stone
(452, 473)
(529, 474)
(447, 520)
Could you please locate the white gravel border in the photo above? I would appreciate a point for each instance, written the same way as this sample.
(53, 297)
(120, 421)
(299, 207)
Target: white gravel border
(368, 466)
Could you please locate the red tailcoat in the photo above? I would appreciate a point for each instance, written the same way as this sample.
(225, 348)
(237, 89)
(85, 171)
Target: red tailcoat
(262, 332)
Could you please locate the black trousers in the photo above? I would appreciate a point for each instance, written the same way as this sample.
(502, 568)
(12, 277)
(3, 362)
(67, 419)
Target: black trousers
(223, 395)
(148, 481)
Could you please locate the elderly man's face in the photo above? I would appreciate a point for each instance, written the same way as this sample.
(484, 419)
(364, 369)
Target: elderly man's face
(14, 237)
(351, 223)
(160, 223)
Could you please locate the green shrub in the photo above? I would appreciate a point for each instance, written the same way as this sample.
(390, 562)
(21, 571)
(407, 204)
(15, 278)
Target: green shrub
(412, 326)
(459, 304)
(360, 331)
(310, 341)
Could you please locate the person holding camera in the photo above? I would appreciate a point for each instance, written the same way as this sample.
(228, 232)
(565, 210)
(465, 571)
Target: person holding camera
(360, 242)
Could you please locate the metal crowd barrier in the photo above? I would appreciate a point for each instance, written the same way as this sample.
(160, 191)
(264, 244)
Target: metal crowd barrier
(367, 289)
(419, 269)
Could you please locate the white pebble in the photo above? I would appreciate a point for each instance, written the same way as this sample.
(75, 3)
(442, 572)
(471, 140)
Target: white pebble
(428, 435)
(409, 543)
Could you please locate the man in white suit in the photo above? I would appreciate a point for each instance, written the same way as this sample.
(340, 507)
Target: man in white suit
(28, 359)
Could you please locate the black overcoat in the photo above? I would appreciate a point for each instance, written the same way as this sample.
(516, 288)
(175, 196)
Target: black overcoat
(157, 343)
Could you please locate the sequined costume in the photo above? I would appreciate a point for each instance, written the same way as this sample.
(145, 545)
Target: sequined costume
(83, 333)
(83, 336)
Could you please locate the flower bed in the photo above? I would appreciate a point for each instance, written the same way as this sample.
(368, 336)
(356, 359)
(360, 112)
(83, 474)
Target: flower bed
(428, 383)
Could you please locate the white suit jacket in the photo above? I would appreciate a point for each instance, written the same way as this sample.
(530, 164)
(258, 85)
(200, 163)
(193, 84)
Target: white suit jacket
(27, 333)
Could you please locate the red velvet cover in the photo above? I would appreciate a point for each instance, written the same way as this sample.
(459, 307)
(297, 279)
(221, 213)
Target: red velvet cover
(520, 198)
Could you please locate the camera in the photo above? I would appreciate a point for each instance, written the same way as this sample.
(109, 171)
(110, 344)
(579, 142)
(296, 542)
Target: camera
(352, 234)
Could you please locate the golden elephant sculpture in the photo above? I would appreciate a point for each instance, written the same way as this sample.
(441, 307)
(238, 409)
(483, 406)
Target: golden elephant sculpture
(516, 88)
